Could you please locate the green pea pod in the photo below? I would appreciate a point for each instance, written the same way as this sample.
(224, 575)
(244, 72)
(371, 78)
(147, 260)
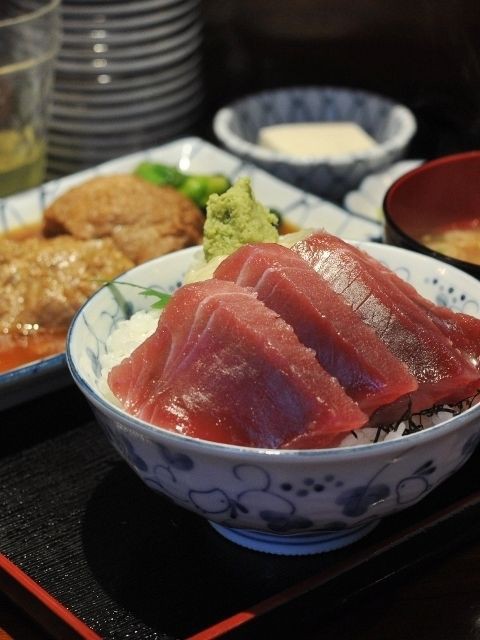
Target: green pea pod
(196, 187)
(200, 188)
(160, 174)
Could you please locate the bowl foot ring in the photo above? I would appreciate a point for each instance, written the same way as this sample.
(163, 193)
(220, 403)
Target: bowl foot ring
(298, 544)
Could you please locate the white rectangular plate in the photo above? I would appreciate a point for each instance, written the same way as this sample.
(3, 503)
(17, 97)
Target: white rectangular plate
(191, 155)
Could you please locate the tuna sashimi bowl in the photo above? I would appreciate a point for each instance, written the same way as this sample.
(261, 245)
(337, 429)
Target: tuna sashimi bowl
(280, 488)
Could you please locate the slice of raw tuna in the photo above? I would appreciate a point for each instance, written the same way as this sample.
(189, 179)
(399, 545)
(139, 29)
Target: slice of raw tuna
(443, 373)
(462, 329)
(345, 346)
(222, 366)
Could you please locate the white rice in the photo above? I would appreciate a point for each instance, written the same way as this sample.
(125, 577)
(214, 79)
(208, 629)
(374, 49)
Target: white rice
(124, 339)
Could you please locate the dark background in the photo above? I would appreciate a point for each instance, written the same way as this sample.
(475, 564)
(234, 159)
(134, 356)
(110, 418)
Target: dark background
(424, 53)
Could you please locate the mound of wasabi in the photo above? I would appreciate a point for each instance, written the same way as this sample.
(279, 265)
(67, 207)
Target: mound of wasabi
(235, 218)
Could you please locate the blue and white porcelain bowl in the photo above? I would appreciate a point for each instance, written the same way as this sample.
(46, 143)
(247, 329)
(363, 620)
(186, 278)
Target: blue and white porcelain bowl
(391, 125)
(278, 501)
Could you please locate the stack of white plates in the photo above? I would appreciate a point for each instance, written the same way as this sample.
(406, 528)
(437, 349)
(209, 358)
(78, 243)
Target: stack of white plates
(128, 76)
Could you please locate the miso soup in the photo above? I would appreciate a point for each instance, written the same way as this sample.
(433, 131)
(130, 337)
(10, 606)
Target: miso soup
(459, 243)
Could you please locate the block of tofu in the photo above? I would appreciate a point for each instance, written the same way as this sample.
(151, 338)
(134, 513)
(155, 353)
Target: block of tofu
(315, 138)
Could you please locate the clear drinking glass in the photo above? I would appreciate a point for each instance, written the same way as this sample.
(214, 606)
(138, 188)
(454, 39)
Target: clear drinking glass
(29, 41)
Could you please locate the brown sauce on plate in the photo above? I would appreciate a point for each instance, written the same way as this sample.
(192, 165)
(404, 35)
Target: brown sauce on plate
(18, 350)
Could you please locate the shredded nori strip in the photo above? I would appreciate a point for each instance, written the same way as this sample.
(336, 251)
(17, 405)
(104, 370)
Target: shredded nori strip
(415, 420)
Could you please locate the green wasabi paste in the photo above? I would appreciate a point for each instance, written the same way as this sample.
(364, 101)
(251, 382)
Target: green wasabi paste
(235, 218)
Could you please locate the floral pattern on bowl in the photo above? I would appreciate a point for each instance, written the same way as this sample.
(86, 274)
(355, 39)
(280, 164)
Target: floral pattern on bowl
(289, 502)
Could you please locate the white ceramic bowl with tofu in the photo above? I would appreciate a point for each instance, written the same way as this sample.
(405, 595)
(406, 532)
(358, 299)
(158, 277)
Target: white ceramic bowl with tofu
(342, 160)
(291, 502)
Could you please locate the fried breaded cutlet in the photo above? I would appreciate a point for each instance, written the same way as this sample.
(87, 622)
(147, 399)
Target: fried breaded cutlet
(44, 281)
(144, 220)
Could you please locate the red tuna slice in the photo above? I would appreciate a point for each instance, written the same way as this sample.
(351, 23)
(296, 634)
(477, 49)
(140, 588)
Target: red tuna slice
(238, 375)
(169, 346)
(345, 346)
(442, 372)
(462, 329)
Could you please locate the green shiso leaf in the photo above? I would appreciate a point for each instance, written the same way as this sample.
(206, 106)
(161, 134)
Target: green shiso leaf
(162, 298)
(161, 302)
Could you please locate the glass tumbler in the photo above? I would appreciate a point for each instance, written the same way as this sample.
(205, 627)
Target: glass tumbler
(29, 41)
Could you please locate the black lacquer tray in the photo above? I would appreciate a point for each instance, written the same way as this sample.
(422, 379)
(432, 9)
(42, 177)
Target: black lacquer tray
(90, 552)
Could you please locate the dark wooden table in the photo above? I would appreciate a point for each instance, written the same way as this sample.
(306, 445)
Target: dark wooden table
(16, 624)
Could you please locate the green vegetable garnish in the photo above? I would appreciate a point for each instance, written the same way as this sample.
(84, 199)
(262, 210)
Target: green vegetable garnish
(195, 186)
(162, 297)
(162, 300)
(160, 174)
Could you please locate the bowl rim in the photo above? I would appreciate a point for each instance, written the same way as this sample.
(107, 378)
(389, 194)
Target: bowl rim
(223, 118)
(425, 167)
(176, 439)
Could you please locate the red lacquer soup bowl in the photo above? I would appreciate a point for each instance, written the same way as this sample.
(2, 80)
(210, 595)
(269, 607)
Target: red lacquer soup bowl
(435, 209)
